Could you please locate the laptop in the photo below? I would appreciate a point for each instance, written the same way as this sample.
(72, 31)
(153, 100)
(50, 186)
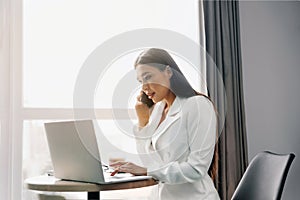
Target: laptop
(75, 154)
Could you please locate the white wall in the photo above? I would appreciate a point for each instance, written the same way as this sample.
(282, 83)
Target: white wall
(270, 33)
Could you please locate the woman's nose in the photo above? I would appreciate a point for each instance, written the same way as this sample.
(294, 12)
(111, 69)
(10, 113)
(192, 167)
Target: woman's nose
(145, 86)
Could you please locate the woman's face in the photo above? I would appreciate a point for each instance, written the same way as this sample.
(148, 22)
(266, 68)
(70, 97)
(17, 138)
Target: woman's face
(156, 83)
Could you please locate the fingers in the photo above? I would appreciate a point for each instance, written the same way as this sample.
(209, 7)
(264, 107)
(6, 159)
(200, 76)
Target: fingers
(114, 172)
(128, 167)
(121, 166)
(117, 164)
(139, 97)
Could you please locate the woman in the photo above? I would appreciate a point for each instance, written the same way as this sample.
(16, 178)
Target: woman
(176, 131)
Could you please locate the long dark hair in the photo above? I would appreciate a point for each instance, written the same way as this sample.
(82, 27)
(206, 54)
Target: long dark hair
(179, 85)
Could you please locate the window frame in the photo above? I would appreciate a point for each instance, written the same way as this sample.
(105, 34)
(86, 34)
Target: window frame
(13, 113)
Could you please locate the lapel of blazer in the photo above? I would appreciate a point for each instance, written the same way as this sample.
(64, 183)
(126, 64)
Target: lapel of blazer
(173, 115)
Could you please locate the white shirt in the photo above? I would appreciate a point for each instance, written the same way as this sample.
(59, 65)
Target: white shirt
(179, 151)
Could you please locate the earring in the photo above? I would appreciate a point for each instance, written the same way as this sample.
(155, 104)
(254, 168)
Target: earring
(169, 71)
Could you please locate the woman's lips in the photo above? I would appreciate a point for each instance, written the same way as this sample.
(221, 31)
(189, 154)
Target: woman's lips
(150, 96)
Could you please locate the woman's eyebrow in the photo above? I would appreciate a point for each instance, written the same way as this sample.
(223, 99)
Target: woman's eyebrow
(143, 74)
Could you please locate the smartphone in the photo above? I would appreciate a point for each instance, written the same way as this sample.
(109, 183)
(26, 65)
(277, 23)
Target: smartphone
(146, 100)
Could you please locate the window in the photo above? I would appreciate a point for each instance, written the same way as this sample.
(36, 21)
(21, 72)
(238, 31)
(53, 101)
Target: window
(43, 49)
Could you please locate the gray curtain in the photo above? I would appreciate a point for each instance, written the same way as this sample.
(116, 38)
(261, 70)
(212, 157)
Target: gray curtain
(225, 88)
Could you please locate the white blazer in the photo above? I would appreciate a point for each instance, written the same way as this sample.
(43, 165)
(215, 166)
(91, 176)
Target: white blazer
(179, 151)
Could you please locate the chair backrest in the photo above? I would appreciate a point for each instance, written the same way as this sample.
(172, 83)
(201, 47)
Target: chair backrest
(265, 177)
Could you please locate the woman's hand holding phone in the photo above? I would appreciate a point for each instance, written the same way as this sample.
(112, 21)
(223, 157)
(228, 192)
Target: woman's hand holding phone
(143, 108)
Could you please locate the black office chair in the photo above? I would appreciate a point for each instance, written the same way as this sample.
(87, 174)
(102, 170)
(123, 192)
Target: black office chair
(265, 177)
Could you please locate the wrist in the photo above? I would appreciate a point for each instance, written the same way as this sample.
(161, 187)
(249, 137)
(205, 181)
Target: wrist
(143, 123)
